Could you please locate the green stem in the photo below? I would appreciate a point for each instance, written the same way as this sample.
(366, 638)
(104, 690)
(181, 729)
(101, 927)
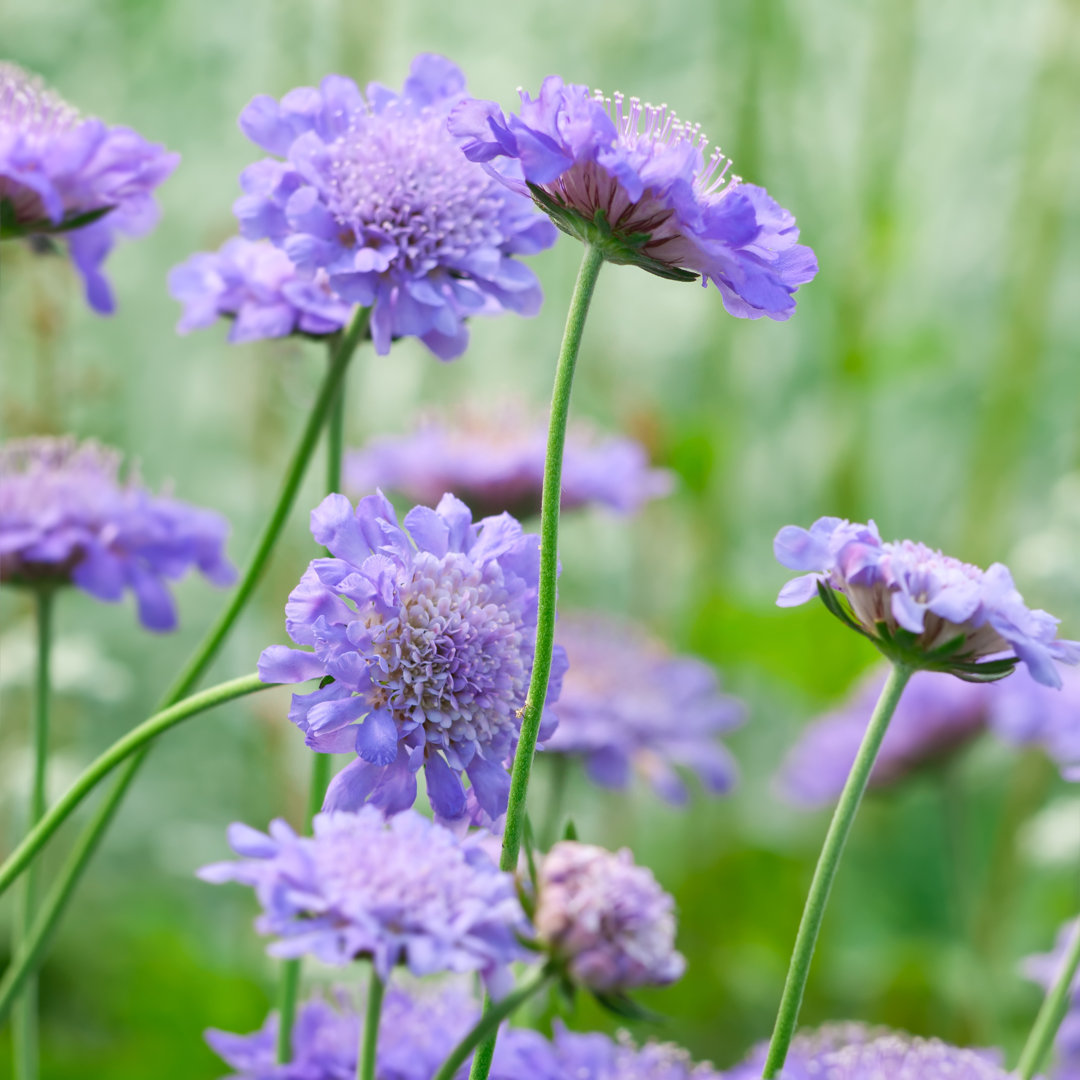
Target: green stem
(320, 763)
(591, 262)
(27, 958)
(24, 1033)
(828, 863)
(369, 1037)
(1054, 1007)
(488, 1025)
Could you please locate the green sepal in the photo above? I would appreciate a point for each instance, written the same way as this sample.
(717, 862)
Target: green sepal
(44, 226)
(948, 649)
(830, 599)
(626, 1007)
(570, 832)
(325, 681)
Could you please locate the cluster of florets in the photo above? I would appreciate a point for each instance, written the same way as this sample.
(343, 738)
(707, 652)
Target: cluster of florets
(404, 891)
(72, 176)
(921, 607)
(628, 705)
(426, 632)
(377, 194)
(493, 459)
(255, 286)
(633, 179)
(606, 920)
(66, 516)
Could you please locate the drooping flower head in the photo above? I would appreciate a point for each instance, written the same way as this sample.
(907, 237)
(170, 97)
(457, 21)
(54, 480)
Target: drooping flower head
(634, 180)
(404, 891)
(418, 1028)
(627, 705)
(493, 458)
(606, 919)
(427, 632)
(72, 176)
(919, 606)
(1045, 970)
(66, 516)
(377, 193)
(255, 285)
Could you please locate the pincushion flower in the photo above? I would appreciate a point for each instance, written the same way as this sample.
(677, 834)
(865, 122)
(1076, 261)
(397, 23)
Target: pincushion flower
(633, 180)
(606, 920)
(493, 458)
(427, 632)
(628, 705)
(919, 606)
(377, 193)
(418, 1028)
(255, 285)
(74, 177)
(404, 891)
(66, 516)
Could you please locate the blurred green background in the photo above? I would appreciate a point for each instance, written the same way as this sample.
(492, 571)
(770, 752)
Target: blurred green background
(929, 379)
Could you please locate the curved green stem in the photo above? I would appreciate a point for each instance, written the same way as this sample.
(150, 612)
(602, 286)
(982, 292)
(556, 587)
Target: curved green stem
(369, 1037)
(828, 863)
(1052, 1012)
(591, 262)
(24, 1034)
(488, 1025)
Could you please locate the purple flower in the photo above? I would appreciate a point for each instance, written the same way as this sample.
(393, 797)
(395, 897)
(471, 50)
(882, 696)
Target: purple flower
(606, 919)
(635, 182)
(254, 284)
(66, 516)
(378, 194)
(936, 715)
(921, 607)
(628, 705)
(494, 459)
(404, 891)
(417, 1030)
(851, 1051)
(427, 633)
(63, 174)
(1044, 969)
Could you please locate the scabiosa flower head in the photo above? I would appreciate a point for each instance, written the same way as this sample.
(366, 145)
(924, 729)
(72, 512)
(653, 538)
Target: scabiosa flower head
(607, 920)
(404, 891)
(255, 285)
(807, 1049)
(427, 632)
(73, 176)
(919, 606)
(627, 705)
(936, 715)
(66, 516)
(493, 458)
(633, 179)
(418, 1028)
(378, 194)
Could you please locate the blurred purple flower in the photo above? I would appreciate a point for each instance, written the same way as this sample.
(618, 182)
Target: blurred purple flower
(606, 919)
(63, 174)
(636, 182)
(628, 705)
(928, 609)
(255, 285)
(66, 516)
(427, 632)
(493, 458)
(1044, 969)
(404, 891)
(378, 194)
(807, 1049)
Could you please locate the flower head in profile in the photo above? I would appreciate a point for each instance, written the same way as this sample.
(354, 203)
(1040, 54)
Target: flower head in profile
(426, 630)
(66, 516)
(605, 919)
(376, 193)
(253, 284)
(628, 705)
(493, 458)
(74, 177)
(920, 607)
(635, 181)
(404, 891)
(1045, 969)
(418, 1027)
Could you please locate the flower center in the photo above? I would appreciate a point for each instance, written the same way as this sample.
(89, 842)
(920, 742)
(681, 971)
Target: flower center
(28, 105)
